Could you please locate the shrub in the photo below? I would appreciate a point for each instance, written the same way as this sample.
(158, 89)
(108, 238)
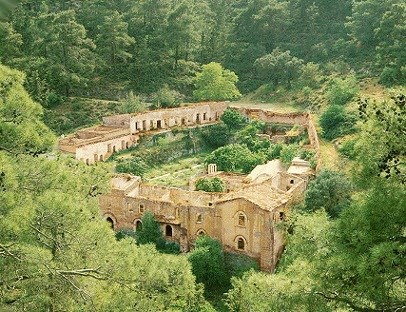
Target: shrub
(165, 97)
(235, 158)
(341, 91)
(336, 122)
(210, 185)
(136, 166)
(54, 99)
(131, 104)
(389, 76)
(215, 136)
(331, 191)
(288, 152)
(274, 151)
(347, 149)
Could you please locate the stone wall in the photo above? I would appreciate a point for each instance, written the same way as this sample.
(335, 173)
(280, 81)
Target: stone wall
(180, 116)
(100, 151)
(300, 118)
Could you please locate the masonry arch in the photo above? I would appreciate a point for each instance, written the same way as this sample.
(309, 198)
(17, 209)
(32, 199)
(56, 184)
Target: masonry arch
(241, 218)
(201, 232)
(168, 230)
(240, 243)
(137, 225)
(111, 219)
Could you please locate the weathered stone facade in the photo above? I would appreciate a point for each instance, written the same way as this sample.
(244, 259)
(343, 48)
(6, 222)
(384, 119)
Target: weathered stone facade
(120, 132)
(244, 220)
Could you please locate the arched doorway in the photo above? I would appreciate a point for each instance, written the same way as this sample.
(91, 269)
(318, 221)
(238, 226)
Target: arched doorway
(111, 222)
(138, 225)
(168, 231)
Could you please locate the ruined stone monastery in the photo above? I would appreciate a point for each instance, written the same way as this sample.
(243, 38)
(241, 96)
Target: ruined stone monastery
(244, 219)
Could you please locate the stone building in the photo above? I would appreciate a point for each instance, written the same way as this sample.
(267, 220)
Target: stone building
(244, 219)
(120, 132)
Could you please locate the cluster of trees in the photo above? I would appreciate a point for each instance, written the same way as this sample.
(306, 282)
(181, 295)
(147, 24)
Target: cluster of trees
(344, 252)
(240, 149)
(55, 251)
(87, 48)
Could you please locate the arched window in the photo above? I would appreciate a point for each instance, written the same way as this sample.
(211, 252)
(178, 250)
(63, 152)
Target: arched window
(168, 230)
(201, 232)
(241, 219)
(110, 220)
(138, 225)
(241, 243)
(199, 218)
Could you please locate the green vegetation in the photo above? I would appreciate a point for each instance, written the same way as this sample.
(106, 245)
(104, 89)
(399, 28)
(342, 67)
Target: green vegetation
(210, 185)
(215, 83)
(330, 191)
(345, 249)
(56, 253)
(336, 122)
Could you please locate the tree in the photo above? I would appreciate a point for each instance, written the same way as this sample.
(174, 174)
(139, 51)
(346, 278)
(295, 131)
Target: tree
(341, 91)
(216, 83)
(69, 56)
(233, 119)
(208, 266)
(279, 67)
(150, 231)
(391, 46)
(113, 40)
(10, 43)
(21, 128)
(383, 128)
(336, 122)
(216, 135)
(249, 136)
(235, 158)
(56, 252)
(288, 152)
(331, 191)
(210, 185)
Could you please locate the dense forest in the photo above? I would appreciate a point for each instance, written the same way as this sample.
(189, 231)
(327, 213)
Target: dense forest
(104, 49)
(346, 243)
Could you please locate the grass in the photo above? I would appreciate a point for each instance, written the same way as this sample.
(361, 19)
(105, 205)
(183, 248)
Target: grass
(178, 172)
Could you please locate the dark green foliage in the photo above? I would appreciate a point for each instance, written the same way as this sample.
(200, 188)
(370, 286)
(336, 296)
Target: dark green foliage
(392, 76)
(248, 136)
(335, 122)
(210, 185)
(136, 166)
(279, 67)
(233, 119)
(208, 264)
(341, 91)
(288, 152)
(235, 158)
(238, 264)
(216, 136)
(347, 149)
(150, 232)
(331, 191)
(274, 151)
